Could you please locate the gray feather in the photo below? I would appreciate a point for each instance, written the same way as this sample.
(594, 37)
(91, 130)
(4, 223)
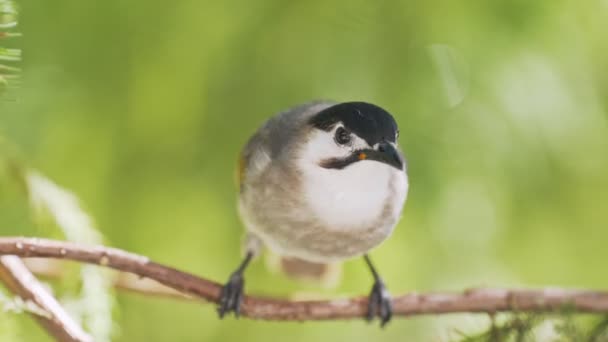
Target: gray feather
(275, 138)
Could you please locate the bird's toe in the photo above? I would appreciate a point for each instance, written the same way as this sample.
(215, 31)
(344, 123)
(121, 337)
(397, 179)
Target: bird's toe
(231, 296)
(380, 304)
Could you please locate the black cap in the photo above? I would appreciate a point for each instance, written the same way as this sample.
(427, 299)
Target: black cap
(370, 122)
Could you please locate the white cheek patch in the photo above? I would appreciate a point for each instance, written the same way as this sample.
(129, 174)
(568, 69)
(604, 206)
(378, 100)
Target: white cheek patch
(322, 146)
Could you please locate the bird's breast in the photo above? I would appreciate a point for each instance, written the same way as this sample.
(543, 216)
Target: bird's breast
(324, 215)
(357, 197)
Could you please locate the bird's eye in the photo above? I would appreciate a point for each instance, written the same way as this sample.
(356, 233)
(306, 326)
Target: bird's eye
(342, 136)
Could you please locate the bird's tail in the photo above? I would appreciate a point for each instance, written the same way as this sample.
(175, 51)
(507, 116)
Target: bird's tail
(328, 275)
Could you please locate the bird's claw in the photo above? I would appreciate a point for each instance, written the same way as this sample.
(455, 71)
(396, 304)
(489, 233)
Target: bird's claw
(379, 303)
(232, 296)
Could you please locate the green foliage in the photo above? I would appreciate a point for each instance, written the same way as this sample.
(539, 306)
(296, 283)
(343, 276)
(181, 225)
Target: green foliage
(87, 291)
(516, 329)
(90, 298)
(9, 329)
(555, 328)
(9, 74)
(140, 108)
(15, 324)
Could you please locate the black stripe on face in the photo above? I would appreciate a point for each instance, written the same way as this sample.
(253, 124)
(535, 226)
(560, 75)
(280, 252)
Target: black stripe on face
(339, 163)
(386, 154)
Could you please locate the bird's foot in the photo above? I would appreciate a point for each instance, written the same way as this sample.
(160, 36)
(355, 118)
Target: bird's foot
(232, 295)
(379, 303)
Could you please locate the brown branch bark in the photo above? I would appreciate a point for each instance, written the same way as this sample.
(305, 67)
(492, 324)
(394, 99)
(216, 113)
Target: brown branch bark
(22, 282)
(54, 269)
(478, 300)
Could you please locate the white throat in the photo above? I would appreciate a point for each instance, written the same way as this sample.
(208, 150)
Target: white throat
(351, 198)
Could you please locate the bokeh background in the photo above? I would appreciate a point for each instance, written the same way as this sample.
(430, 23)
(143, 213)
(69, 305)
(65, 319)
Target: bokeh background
(140, 109)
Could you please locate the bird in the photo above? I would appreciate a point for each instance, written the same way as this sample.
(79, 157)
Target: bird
(321, 182)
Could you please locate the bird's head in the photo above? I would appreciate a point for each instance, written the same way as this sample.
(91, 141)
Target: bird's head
(353, 132)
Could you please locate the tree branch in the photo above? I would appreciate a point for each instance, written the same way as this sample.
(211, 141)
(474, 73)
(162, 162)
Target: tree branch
(478, 300)
(57, 322)
(53, 269)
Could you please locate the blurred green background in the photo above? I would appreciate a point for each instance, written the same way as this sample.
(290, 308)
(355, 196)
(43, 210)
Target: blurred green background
(140, 108)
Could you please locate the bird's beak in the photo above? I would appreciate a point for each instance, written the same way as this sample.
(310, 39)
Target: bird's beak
(386, 153)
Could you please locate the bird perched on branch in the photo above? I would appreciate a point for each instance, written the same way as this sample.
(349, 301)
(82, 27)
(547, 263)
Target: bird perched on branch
(321, 183)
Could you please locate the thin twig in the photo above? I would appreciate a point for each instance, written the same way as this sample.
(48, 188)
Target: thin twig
(53, 269)
(478, 300)
(56, 322)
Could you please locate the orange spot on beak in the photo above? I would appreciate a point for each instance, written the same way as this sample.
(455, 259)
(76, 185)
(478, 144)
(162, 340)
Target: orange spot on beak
(362, 156)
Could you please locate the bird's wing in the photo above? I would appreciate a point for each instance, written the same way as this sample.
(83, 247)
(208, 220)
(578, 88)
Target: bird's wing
(255, 156)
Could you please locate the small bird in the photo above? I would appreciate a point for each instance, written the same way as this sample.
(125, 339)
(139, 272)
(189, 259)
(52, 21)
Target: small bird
(321, 183)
